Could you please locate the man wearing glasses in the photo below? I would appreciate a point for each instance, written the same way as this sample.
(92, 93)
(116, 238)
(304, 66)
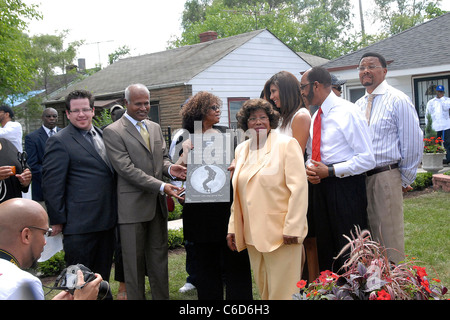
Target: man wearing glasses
(340, 153)
(398, 146)
(35, 147)
(23, 226)
(79, 188)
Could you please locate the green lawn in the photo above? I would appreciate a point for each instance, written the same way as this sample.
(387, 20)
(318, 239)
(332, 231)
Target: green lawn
(427, 233)
(427, 240)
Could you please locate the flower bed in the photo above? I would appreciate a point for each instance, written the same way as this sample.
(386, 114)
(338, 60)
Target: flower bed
(368, 275)
(441, 182)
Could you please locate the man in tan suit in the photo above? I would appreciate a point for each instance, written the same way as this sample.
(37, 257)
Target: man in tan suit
(138, 153)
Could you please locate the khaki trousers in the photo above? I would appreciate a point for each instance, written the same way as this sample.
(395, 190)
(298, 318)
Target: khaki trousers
(385, 212)
(276, 273)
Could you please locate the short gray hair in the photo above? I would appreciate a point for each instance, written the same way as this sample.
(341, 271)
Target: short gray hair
(136, 85)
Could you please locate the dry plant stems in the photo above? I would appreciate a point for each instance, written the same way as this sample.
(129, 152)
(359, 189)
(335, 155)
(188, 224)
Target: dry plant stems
(369, 275)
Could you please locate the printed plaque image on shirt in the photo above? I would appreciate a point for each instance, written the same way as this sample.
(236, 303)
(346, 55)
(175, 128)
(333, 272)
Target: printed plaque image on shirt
(208, 178)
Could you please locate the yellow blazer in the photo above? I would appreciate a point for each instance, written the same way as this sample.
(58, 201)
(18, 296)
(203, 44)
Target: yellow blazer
(277, 195)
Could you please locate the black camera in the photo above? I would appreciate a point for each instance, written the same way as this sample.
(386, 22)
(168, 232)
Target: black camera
(68, 280)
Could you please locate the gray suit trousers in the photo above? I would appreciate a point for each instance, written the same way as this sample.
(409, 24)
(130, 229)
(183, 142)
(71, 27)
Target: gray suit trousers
(145, 252)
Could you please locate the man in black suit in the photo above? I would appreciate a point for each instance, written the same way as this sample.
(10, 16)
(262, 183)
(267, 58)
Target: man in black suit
(35, 147)
(79, 188)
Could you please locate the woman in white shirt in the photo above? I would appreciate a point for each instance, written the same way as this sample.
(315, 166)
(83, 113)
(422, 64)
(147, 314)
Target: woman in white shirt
(283, 91)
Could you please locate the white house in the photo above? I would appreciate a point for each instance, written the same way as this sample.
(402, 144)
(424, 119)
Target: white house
(234, 68)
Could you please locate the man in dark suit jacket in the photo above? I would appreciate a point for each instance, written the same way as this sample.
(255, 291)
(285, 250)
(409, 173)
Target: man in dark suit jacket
(35, 147)
(140, 164)
(79, 188)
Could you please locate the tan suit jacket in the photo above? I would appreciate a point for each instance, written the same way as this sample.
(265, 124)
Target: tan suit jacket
(140, 171)
(276, 198)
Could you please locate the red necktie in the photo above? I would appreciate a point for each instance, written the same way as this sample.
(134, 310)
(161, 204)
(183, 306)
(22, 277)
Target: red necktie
(316, 136)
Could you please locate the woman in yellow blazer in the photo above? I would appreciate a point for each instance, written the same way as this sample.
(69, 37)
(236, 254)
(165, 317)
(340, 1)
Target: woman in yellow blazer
(268, 214)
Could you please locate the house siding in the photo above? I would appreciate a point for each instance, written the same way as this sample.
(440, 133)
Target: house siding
(243, 72)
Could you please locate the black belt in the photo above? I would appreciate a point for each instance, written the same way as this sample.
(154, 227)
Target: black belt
(381, 169)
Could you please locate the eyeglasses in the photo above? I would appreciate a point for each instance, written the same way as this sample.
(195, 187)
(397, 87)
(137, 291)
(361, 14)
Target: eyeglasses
(303, 86)
(48, 232)
(78, 111)
(361, 68)
(338, 88)
(262, 119)
(52, 116)
(215, 108)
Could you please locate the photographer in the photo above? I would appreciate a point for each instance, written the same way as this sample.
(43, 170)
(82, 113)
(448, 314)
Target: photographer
(23, 225)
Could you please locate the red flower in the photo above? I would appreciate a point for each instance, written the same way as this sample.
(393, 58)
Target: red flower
(327, 276)
(383, 295)
(301, 284)
(420, 271)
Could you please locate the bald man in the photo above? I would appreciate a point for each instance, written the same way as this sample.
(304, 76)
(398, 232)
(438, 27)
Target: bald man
(23, 226)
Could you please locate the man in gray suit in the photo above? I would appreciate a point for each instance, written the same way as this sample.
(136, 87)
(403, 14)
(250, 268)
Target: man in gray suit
(138, 153)
(79, 187)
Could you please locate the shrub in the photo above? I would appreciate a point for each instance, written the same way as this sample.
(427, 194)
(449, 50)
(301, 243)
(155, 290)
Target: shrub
(52, 266)
(423, 181)
(176, 239)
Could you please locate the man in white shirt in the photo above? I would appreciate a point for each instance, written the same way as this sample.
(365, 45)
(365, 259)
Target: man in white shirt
(398, 146)
(338, 167)
(10, 129)
(438, 108)
(23, 224)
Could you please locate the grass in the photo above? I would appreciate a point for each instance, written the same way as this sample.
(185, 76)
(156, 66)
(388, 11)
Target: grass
(427, 233)
(427, 240)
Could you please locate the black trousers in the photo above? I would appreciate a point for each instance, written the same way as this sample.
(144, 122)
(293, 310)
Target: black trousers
(94, 250)
(218, 267)
(338, 204)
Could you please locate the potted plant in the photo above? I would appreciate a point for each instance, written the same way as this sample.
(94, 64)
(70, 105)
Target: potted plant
(369, 275)
(433, 150)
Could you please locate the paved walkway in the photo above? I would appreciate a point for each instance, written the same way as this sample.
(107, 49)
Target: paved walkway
(175, 224)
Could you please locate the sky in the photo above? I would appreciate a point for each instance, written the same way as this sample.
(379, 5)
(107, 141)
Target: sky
(145, 26)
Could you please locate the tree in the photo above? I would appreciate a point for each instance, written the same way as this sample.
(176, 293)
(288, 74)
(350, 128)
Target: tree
(399, 15)
(50, 54)
(16, 64)
(317, 27)
(119, 53)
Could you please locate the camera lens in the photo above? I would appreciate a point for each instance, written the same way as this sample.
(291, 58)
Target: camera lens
(103, 290)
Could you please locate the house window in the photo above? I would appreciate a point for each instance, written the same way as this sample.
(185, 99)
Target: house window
(234, 104)
(154, 112)
(356, 93)
(425, 90)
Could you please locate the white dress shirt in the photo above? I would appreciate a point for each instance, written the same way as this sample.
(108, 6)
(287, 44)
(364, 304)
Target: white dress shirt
(13, 132)
(395, 131)
(438, 108)
(138, 128)
(345, 140)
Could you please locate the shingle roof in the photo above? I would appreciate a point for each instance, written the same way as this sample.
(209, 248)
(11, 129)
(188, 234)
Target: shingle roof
(312, 60)
(420, 46)
(161, 68)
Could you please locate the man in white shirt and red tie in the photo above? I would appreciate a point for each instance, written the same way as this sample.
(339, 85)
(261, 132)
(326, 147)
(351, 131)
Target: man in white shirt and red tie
(398, 145)
(336, 169)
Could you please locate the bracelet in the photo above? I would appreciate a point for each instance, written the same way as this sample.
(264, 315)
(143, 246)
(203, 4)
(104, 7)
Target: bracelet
(331, 171)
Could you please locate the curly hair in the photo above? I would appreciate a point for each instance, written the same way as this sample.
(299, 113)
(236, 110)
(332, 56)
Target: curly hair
(79, 94)
(251, 106)
(197, 107)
